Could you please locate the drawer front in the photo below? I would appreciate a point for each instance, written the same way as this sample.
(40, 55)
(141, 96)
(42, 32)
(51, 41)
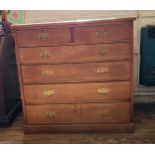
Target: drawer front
(110, 71)
(43, 37)
(78, 113)
(75, 54)
(51, 114)
(105, 33)
(70, 93)
(105, 113)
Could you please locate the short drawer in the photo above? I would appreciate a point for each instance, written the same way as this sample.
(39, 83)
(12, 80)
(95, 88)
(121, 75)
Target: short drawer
(75, 54)
(105, 33)
(86, 72)
(43, 37)
(70, 93)
(118, 112)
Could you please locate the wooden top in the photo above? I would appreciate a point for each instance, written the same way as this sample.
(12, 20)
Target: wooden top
(71, 23)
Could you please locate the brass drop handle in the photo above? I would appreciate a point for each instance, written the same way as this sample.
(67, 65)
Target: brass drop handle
(104, 113)
(102, 70)
(101, 33)
(43, 36)
(48, 93)
(45, 54)
(47, 72)
(102, 51)
(51, 114)
(103, 91)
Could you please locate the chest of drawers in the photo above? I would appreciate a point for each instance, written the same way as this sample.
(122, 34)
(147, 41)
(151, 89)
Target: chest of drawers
(76, 77)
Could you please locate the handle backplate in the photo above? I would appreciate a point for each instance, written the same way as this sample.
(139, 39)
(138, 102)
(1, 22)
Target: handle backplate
(103, 91)
(48, 93)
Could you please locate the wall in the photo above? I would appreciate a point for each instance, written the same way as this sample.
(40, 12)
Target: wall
(42, 16)
(142, 93)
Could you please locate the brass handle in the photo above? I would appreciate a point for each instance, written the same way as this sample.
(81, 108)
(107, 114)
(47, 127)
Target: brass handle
(50, 114)
(102, 70)
(103, 91)
(47, 73)
(48, 92)
(101, 33)
(45, 54)
(103, 51)
(104, 113)
(43, 36)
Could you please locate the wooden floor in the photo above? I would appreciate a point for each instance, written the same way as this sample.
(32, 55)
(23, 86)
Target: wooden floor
(144, 118)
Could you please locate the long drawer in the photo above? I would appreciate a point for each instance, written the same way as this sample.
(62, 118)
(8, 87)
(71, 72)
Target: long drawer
(86, 72)
(70, 93)
(75, 54)
(103, 33)
(78, 113)
(43, 36)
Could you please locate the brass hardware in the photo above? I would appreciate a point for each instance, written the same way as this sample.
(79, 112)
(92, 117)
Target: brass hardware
(102, 70)
(103, 91)
(50, 114)
(103, 51)
(43, 36)
(48, 92)
(104, 113)
(101, 33)
(47, 73)
(45, 54)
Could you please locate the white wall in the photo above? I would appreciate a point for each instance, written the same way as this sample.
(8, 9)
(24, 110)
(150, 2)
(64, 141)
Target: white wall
(42, 16)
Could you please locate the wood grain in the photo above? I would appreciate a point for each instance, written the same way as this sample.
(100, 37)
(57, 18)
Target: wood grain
(144, 118)
(87, 72)
(94, 34)
(70, 55)
(75, 54)
(32, 37)
(70, 93)
(78, 113)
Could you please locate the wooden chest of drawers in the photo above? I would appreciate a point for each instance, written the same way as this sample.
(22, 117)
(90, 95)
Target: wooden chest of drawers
(76, 77)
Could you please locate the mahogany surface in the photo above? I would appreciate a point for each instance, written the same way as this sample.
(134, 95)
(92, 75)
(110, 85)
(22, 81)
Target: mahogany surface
(76, 76)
